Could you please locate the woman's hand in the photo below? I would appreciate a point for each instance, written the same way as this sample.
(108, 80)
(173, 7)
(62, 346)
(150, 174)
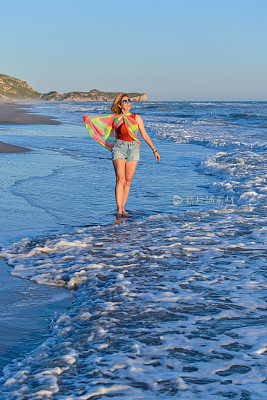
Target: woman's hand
(157, 156)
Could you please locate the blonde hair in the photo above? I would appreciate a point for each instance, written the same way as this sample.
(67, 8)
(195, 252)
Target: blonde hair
(115, 106)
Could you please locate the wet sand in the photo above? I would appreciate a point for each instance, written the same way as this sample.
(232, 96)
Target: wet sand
(12, 113)
(10, 148)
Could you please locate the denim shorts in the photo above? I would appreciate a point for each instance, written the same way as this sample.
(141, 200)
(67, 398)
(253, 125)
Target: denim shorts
(128, 151)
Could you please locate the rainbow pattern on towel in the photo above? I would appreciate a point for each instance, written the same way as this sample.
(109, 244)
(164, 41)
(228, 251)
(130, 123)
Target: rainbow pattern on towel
(103, 129)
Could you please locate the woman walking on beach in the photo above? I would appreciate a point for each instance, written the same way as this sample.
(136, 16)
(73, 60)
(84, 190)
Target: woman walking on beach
(126, 151)
(118, 133)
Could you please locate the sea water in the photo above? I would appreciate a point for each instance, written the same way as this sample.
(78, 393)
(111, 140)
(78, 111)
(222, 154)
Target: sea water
(170, 302)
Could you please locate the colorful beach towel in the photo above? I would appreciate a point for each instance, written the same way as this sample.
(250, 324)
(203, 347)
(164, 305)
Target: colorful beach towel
(103, 129)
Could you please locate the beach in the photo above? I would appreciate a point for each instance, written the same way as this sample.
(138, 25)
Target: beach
(13, 113)
(167, 303)
(25, 307)
(9, 148)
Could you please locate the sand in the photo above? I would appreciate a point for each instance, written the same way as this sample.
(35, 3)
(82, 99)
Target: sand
(12, 113)
(16, 114)
(10, 148)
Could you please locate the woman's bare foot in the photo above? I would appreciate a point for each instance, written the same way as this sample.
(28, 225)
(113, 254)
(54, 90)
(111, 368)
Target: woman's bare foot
(125, 212)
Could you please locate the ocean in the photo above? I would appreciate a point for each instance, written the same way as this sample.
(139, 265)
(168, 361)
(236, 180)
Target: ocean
(170, 302)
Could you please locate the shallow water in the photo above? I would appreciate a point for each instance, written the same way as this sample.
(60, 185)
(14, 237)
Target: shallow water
(170, 302)
(25, 309)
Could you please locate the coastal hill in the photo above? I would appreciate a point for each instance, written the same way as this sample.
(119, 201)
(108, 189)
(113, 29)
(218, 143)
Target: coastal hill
(93, 95)
(16, 89)
(13, 88)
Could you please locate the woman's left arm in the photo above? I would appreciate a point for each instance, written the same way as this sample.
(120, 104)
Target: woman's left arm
(145, 135)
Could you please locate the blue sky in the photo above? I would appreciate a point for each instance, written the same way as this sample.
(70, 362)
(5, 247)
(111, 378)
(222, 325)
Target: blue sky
(171, 49)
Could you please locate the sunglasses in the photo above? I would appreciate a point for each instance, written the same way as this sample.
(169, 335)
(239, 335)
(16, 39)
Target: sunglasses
(125, 101)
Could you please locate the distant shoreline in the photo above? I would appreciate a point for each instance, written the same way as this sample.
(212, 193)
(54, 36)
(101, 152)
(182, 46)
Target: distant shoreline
(12, 113)
(14, 88)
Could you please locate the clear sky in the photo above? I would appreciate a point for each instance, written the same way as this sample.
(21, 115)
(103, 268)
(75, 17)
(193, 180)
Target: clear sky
(170, 49)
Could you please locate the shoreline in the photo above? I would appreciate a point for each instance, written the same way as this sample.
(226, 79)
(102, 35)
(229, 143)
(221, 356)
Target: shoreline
(17, 114)
(11, 148)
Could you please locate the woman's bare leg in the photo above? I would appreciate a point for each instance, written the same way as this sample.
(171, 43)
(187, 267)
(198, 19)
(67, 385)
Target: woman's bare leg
(119, 167)
(129, 173)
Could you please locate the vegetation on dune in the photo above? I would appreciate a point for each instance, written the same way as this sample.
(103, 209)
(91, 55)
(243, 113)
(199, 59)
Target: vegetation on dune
(14, 88)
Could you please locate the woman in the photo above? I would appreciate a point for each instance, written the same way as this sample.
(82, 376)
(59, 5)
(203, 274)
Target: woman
(126, 152)
(118, 134)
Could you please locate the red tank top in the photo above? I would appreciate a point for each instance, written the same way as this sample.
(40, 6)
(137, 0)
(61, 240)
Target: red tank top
(122, 132)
